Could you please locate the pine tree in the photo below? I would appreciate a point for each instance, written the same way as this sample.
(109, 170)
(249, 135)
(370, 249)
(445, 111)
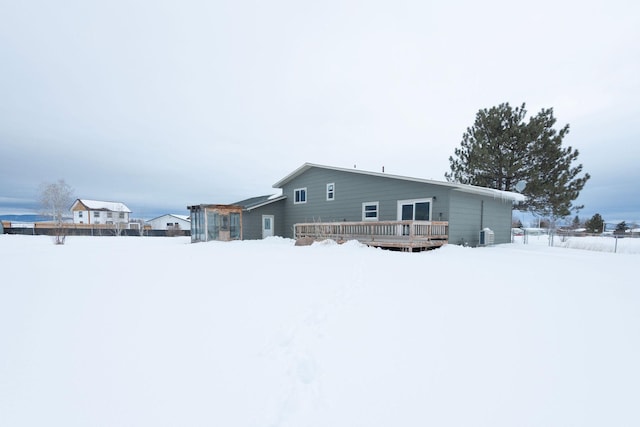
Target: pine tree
(553, 183)
(493, 151)
(595, 224)
(621, 228)
(500, 150)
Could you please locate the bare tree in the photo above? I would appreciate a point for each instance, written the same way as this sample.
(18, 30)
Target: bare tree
(55, 200)
(118, 228)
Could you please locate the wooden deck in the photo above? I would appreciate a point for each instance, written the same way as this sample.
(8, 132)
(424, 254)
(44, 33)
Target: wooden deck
(407, 236)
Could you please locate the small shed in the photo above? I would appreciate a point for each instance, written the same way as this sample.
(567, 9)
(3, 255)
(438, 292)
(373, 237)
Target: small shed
(215, 222)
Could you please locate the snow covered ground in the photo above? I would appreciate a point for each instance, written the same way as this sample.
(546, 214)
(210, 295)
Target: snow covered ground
(133, 331)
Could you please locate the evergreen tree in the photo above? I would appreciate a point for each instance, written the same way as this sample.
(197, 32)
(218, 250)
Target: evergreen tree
(595, 224)
(621, 228)
(493, 151)
(501, 149)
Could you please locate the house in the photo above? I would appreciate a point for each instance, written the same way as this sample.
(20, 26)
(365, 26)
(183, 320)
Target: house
(170, 222)
(377, 208)
(96, 212)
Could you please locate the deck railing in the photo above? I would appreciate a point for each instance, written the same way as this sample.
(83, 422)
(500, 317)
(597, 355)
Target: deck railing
(375, 231)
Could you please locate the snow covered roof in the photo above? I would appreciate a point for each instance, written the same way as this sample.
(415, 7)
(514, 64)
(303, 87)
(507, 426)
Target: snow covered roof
(182, 217)
(99, 205)
(498, 194)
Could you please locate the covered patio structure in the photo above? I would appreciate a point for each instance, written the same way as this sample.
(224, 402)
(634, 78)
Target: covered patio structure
(215, 222)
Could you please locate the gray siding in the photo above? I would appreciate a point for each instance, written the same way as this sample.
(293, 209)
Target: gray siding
(351, 190)
(252, 220)
(498, 217)
(470, 213)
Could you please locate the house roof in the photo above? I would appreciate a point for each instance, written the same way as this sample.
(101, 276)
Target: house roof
(505, 195)
(99, 205)
(182, 217)
(256, 202)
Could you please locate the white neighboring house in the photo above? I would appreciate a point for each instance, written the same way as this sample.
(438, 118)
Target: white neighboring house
(170, 222)
(97, 212)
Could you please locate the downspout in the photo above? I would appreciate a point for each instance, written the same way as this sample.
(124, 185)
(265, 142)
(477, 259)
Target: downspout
(481, 214)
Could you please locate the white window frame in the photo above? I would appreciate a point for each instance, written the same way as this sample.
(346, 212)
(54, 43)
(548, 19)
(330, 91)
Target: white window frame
(413, 202)
(331, 191)
(364, 211)
(297, 193)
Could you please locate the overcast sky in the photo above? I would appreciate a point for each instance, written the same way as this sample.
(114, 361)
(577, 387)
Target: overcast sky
(163, 104)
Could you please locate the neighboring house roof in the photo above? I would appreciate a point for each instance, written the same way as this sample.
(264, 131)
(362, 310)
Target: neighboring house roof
(182, 217)
(256, 202)
(98, 205)
(499, 194)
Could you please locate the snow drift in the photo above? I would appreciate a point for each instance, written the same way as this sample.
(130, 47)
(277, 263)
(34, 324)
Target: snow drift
(158, 332)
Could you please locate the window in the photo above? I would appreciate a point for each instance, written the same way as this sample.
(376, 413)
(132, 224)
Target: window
(370, 211)
(109, 214)
(331, 191)
(96, 214)
(414, 210)
(80, 214)
(121, 214)
(300, 195)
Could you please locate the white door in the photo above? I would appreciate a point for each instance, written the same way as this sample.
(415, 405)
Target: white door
(413, 210)
(267, 226)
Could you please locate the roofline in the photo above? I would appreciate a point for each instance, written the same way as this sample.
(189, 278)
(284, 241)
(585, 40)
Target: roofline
(213, 206)
(82, 202)
(76, 202)
(508, 195)
(266, 202)
(173, 215)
